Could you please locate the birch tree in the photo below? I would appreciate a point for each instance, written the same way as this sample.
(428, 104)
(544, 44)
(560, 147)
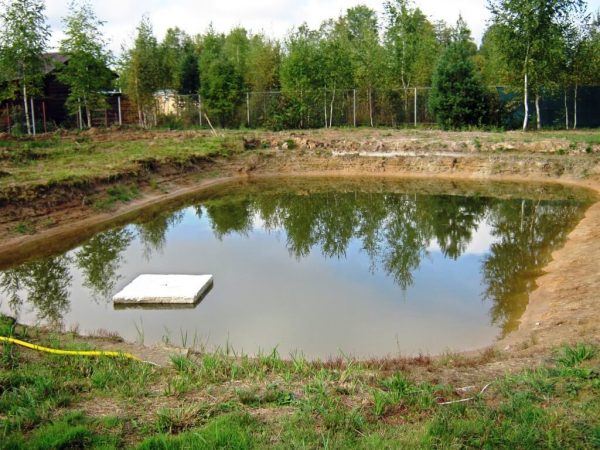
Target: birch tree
(337, 67)
(86, 72)
(528, 30)
(581, 47)
(24, 37)
(301, 71)
(411, 44)
(366, 51)
(141, 72)
(221, 83)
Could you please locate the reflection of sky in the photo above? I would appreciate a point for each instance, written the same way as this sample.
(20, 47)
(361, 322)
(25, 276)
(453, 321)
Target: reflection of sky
(480, 244)
(263, 297)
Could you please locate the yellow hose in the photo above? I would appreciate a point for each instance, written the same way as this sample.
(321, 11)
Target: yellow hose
(69, 352)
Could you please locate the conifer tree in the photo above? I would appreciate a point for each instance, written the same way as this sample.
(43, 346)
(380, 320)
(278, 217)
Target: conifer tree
(458, 96)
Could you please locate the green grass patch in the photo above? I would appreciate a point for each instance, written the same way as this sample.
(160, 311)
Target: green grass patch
(222, 400)
(63, 160)
(117, 194)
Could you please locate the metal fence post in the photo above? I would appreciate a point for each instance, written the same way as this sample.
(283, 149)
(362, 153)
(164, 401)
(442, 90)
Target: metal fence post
(325, 105)
(200, 108)
(44, 116)
(32, 116)
(119, 108)
(354, 106)
(248, 108)
(416, 107)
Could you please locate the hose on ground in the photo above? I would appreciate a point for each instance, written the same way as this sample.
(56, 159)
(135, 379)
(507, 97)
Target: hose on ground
(93, 354)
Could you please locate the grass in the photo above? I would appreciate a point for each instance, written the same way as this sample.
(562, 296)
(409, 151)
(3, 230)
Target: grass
(70, 160)
(77, 158)
(218, 400)
(117, 194)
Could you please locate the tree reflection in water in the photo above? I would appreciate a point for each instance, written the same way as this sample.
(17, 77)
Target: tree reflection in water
(394, 230)
(100, 258)
(152, 233)
(46, 284)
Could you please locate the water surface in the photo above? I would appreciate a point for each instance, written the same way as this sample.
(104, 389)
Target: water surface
(367, 268)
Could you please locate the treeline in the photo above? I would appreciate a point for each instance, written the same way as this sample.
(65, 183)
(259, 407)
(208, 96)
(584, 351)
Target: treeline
(536, 48)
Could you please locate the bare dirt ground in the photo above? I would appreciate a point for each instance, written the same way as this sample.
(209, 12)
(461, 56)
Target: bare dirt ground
(564, 308)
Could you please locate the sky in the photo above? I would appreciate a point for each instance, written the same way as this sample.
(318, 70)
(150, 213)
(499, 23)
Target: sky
(273, 17)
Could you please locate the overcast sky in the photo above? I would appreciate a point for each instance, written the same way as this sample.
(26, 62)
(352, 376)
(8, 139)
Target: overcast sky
(274, 17)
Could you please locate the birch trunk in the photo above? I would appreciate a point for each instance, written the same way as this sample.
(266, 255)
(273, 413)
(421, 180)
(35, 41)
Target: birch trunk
(27, 122)
(526, 93)
(79, 114)
(537, 111)
(566, 111)
(88, 114)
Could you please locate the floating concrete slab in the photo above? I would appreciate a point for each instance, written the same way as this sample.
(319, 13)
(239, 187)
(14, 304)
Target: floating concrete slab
(165, 290)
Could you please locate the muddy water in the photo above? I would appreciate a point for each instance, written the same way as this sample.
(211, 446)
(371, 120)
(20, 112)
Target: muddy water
(319, 267)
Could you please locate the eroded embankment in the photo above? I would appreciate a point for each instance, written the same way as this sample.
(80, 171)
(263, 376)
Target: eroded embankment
(561, 309)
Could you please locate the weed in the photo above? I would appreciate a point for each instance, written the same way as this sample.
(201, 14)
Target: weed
(381, 401)
(24, 228)
(116, 194)
(573, 356)
(233, 431)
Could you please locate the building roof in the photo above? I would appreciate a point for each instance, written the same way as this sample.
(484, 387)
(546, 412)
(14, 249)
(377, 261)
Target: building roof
(53, 60)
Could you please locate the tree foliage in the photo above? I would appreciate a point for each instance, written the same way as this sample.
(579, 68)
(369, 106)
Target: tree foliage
(411, 44)
(24, 36)
(221, 80)
(141, 71)
(458, 96)
(87, 71)
(529, 34)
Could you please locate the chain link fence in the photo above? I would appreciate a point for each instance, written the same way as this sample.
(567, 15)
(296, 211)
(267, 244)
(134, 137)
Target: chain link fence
(279, 110)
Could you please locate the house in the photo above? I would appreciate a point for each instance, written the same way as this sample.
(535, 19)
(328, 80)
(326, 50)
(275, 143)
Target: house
(49, 110)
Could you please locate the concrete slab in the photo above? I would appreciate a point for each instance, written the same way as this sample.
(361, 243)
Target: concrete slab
(165, 290)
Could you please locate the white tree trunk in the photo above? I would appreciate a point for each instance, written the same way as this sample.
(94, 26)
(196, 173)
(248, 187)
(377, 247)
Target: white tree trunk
(537, 111)
(80, 114)
(566, 111)
(526, 103)
(27, 122)
(526, 92)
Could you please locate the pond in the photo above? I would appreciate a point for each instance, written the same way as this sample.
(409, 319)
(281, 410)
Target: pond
(319, 267)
